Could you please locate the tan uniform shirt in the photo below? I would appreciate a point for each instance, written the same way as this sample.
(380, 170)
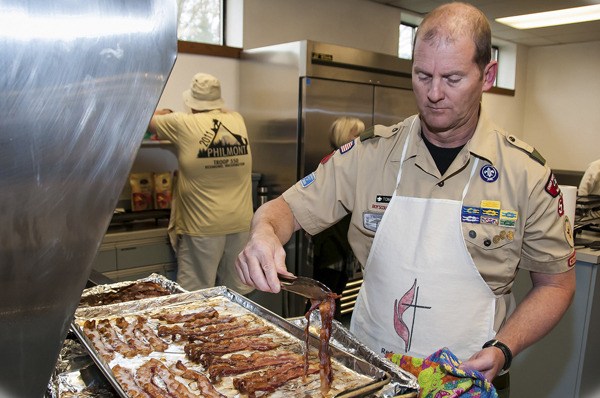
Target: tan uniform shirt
(214, 185)
(512, 213)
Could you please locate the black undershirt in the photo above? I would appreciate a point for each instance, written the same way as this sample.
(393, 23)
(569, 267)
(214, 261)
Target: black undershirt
(443, 157)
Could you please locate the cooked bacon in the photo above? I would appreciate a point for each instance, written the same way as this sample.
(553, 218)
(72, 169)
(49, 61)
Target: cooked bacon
(194, 351)
(154, 368)
(327, 311)
(271, 379)
(128, 330)
(230, 334)
(105, 350)
(204, 385)
(180, 318)
(194, 333)
(109, 333)
(135, 291)
(143, 377)
(127, 382)
(198, 323)
(149, 334)
(239, 363)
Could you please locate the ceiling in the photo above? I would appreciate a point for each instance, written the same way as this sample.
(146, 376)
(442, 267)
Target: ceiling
(575, 33)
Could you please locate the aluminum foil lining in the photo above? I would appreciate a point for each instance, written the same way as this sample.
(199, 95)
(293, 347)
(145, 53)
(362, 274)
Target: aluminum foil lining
(402, 381)
(75, 373)
(340, 351)
(166, 283)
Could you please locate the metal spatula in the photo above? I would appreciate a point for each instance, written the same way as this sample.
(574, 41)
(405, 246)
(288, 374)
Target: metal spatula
(306, 287)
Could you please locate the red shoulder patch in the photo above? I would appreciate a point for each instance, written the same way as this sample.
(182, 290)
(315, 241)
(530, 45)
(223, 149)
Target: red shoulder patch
(552, 186)
(326, 158)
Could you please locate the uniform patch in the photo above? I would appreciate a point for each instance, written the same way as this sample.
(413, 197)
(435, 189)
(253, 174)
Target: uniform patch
(508, 218)
(569, 231)
(383, 199)
(371, 220)
(572, 260)
(470, 214)
(309, 179)
(561, 206)
(346, 147)
(326, 158)
(488, 173)
(490, 212)
(552, 186)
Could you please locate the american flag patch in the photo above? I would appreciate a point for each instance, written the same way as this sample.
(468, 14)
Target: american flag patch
(346, 147)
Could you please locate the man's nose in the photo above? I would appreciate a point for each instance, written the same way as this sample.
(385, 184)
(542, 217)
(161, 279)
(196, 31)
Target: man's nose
(435, 92)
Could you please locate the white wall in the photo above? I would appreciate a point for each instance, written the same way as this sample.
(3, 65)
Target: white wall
(562, 107)
(187, 65)
(353, 23)
(556, 89)
(505, 110)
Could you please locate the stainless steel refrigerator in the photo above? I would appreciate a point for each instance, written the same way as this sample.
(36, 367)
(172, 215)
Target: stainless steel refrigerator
(289, 96)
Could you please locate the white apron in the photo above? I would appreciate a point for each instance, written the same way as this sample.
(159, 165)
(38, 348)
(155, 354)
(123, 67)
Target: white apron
(421, 290)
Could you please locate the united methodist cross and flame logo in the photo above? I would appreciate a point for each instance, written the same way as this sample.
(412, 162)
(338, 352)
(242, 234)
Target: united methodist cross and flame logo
(224, 143)
(410, 300)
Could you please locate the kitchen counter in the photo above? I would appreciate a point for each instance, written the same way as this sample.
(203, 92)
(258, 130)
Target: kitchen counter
(134, 249)
(564, 363)
(143, 229)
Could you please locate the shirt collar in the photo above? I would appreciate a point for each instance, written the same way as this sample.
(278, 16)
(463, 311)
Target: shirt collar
(482, 144)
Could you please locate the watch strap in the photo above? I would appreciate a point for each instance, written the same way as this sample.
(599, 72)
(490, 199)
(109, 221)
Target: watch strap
(505, 350)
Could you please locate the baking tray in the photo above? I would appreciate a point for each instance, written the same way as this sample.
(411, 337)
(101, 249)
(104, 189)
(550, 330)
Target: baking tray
(369, 378)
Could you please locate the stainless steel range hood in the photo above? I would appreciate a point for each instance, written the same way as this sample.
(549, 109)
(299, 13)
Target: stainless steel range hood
(79, 83)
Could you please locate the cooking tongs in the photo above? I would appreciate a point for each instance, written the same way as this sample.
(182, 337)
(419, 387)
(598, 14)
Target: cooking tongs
(306, 287)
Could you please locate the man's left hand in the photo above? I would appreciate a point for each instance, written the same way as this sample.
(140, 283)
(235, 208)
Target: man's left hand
(488, 361)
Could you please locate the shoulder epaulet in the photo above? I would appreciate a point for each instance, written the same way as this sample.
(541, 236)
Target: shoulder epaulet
(379, 131)
(531, 151)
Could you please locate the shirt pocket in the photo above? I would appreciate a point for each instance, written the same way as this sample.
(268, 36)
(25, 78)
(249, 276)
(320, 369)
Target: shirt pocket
(489, 237)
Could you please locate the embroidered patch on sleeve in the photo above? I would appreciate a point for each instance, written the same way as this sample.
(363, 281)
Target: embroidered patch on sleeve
(309, 179)
(552, 186)
(572, 260)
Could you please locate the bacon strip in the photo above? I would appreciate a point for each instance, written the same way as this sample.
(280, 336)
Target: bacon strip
(194, 333)
(128, 330)
(327, 311)
(271, 379)
(204, 385)
(127, 382)
(180, 318)
(155, 368)
(105, 350)
(239, 363)
(155, 342)
(109, 333)
(194, 351)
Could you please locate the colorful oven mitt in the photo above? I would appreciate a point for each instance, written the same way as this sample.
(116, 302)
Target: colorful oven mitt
(438, 376)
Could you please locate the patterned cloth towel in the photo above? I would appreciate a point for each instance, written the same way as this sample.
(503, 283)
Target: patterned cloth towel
(438, 376)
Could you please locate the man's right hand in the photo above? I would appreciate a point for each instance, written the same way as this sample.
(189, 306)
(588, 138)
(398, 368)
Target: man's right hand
(264, 255)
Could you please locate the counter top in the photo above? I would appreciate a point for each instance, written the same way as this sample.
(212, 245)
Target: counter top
(585, 254)
(145, 229)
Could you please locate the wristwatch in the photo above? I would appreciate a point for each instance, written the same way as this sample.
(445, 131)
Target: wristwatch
(505, 350)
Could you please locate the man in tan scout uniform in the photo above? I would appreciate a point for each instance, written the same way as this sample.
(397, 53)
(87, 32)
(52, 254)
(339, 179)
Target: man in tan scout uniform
(446, 208)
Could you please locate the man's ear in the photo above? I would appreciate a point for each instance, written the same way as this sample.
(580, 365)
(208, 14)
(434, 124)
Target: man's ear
(489, 75)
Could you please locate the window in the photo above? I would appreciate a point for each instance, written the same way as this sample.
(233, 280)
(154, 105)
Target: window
(407, 39)
(200, 21)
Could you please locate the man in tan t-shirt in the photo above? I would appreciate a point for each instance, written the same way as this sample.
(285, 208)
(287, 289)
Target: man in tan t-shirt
(213, 197)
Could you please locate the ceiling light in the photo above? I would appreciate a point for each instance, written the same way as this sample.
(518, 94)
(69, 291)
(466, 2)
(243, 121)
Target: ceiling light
(553, 18)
